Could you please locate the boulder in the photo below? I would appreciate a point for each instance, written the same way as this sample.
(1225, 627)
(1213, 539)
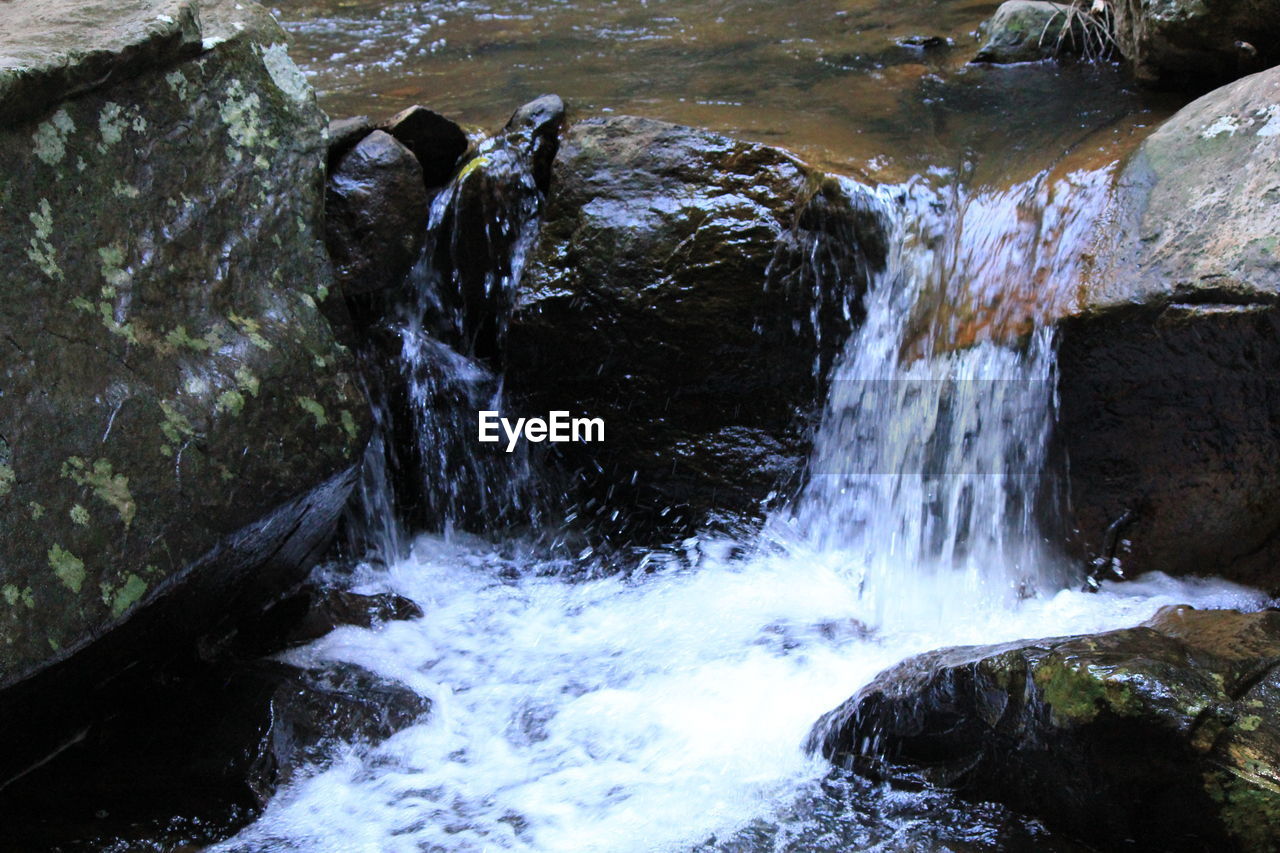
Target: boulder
(376, 206)
(1197, 44)
(1166, 735)
(1031, 30)
(55, 51)
(437, 142)
(178, 426)
(1169, 367)
(691, 290)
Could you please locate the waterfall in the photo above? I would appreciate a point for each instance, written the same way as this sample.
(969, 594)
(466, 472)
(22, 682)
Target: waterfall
(929, 460)
(665, 709)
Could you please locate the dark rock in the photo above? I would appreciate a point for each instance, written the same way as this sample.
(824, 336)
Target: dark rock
(1198, 44)
(1031, 30)
(377, 215)
(491, 219)
(345, 134)
(923, 42)
(179, 424)
(537, 127)
(672, 293)
(1166, 735)
(192, 762)
(437, 142)
(1168, 372)
(313, 612)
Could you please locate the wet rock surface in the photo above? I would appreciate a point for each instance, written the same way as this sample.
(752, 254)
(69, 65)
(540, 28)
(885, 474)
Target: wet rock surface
(434, 347)
(376, 214)
(435, 141)
(344, 134)
(1166, 735)
(179, 426)
(1169, 368)
(314, 611)
(686, 288)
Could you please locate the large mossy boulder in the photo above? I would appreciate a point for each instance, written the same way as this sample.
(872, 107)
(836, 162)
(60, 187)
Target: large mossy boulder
(1165, 736)
(178, 426)
(691, 290)
(1170, 406)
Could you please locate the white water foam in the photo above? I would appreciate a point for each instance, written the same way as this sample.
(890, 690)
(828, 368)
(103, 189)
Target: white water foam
(627, 714)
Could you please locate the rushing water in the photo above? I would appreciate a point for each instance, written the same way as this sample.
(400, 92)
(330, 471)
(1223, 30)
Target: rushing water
(665, 709)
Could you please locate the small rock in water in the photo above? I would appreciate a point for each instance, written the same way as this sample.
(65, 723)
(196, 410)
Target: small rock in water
(1030, 30)
(437, 142)
(922, 42)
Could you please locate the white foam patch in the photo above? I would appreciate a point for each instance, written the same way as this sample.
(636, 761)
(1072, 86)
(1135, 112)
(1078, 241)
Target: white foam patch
(632, 714)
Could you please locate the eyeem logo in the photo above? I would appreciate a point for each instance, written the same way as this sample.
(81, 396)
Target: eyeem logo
(557, 427)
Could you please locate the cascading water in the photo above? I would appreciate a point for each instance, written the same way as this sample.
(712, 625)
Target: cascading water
(666, 709)
(445, 334)
(927, 467)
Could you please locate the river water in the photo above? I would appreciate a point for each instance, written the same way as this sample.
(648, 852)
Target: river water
(663, 708)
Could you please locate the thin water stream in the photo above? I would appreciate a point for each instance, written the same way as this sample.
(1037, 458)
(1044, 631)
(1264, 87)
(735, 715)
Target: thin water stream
(665, 708)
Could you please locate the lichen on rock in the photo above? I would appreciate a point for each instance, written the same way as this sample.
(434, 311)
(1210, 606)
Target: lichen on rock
(161, 232)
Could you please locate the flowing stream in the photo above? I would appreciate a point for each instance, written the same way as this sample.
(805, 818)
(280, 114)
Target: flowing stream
(665, 708)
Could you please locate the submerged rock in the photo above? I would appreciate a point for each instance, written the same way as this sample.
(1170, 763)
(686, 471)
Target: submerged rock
(314, 611)
(1031, 30)
(179, 426)
(691, 290)
(1166, 735)
(1169, 395)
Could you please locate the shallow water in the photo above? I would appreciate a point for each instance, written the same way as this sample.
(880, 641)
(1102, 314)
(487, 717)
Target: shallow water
(838, 81)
